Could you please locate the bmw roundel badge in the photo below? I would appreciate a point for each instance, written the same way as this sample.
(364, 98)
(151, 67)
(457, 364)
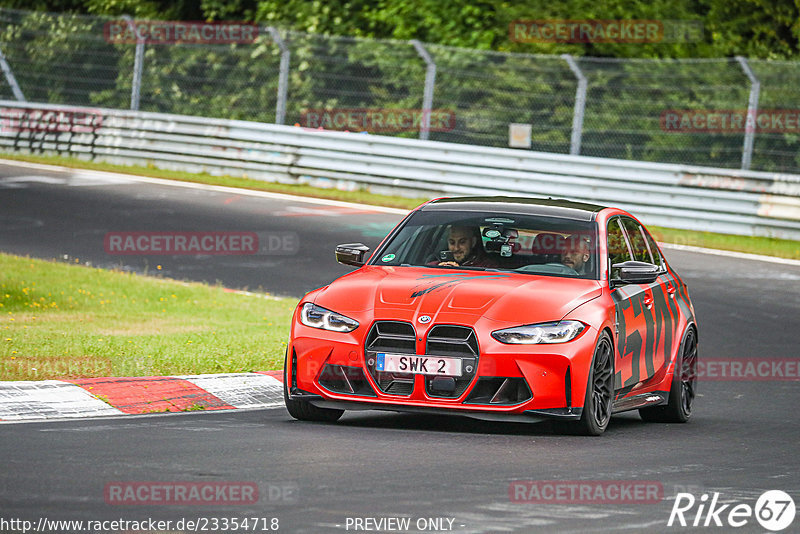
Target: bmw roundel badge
(424, 319)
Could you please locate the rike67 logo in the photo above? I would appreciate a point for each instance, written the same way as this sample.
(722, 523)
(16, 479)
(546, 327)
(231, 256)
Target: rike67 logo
(774, 511)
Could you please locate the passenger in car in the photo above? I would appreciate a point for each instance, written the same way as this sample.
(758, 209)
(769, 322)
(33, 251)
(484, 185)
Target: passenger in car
(576, 253)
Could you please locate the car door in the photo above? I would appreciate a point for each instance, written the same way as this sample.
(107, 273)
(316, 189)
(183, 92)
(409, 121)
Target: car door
(657, 325)
(630, 308)
(666, 301)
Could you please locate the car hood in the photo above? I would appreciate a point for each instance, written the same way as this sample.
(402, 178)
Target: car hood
(449, 295)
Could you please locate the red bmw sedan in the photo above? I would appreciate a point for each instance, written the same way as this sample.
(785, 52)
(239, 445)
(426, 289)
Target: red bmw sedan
(508, 309)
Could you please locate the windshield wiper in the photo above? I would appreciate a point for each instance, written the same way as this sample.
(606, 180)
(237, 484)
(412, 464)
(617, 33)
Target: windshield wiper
(447, 267)
(466, 267)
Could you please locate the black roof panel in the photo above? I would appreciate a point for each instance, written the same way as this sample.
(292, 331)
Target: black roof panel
(523, 205)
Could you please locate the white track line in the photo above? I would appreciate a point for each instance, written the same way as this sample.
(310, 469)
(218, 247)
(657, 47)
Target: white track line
(206, 187)
(732, 254)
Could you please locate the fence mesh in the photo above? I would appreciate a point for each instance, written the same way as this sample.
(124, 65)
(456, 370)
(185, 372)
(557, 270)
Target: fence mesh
(66, 59)
(63, 58)
(234, 81)
(489, 90)
(780, 90)
(340, 73)
(627, 99)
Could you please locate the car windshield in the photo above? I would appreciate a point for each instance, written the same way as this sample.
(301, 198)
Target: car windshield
(530, 244)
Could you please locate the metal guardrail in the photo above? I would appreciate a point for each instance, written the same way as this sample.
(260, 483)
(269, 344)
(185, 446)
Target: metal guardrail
(679, 196)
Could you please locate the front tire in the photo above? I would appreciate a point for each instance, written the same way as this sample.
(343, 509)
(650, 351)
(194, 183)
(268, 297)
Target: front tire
(683, 388)
(303, 410)
(599, 394)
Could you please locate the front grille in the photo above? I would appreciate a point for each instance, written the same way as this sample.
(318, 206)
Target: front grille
(395, 383)
(447, 340)
(391, 336)
(345, 379)
(394, 337)
(453, 341)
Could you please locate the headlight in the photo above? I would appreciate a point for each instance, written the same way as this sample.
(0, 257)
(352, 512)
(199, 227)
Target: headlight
(531, 334)
(318, 317)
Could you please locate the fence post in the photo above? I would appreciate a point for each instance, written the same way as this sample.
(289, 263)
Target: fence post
(752, 112)
(283, 75)
(138, 63)
(580, 105)
(427, 98)
(12, 81)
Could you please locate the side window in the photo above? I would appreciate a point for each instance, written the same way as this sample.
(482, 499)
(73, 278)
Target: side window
(618, 251)
(636, 240)
(657, 259)
(404, 247)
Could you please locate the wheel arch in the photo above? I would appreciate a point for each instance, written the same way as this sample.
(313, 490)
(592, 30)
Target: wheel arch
(580, 380)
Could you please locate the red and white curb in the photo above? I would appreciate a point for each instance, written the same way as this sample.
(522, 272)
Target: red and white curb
(102, 397)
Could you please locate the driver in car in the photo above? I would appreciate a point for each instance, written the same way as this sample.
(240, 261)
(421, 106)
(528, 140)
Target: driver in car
(576, 254)
(464, 242)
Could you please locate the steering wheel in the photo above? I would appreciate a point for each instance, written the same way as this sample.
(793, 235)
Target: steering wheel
(549, 268)
(560, 268)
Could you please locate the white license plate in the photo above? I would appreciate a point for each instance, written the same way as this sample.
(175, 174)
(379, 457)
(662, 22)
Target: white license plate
(424, 365)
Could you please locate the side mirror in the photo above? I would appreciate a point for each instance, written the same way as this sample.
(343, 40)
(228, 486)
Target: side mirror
(635, 272)
(351, 254)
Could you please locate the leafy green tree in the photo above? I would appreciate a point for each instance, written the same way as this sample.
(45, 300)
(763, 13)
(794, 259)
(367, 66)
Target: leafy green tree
(767, 29)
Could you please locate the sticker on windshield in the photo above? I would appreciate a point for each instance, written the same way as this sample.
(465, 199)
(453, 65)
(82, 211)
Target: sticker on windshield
(388, 257)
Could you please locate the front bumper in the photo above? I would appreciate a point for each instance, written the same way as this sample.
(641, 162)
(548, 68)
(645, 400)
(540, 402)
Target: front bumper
(510, 382)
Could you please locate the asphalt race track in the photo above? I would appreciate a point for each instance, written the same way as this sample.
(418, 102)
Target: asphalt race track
(446, 474)
(53, 214)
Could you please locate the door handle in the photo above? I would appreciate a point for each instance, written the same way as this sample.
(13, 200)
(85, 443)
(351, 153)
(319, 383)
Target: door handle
(648, 300)
(671, 291)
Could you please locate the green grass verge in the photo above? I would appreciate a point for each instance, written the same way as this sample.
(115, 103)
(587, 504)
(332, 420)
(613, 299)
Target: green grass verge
(781, 248)
(68, 321)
